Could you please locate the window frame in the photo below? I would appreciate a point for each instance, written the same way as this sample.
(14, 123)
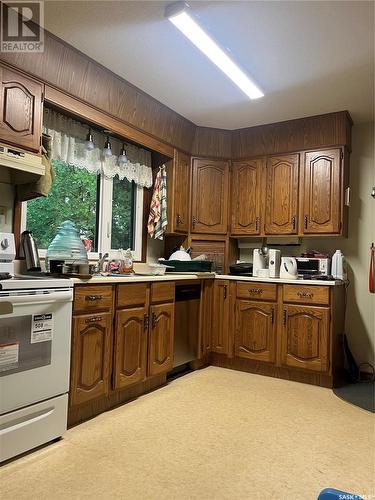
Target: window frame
(104, 229)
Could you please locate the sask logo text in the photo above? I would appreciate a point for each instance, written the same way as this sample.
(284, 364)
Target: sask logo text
(22, 26)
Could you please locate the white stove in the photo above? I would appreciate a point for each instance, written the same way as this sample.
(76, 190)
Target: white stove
(35, 330)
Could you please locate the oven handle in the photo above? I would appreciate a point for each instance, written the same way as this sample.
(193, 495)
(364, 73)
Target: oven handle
(39, 298)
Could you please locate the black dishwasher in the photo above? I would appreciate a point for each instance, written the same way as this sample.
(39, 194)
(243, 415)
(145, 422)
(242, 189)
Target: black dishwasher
(186, 330)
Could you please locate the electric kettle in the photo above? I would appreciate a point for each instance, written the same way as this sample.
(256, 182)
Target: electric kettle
(288, 268)
(29, 251)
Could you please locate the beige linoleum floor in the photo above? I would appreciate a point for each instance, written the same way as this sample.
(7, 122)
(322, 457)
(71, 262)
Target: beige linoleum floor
(213, 434)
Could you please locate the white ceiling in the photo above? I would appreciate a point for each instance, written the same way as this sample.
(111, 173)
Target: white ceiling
(309, 57)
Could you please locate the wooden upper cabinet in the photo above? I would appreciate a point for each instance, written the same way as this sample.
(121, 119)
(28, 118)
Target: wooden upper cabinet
(255, 331)
(21, 107)
(130, 353)
(281, 204)
(160, 352)
(322, 196)
(220, 317)
(91, 355)
(246, 197)
(209, 207)
(178, 185)
(305, 338)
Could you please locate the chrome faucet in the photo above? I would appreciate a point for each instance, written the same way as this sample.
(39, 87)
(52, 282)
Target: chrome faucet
(100, 264)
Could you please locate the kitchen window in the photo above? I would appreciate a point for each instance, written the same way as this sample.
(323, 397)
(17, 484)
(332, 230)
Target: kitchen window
(102, 197)
(107, 212)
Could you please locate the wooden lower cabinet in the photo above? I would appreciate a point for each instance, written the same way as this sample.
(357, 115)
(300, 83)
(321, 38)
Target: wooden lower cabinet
(255, 336)
(130, 352)
(91, 356)
(305, 338)
(220, 317)
(160, 354)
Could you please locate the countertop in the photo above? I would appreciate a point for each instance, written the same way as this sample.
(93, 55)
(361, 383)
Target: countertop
(96, 280)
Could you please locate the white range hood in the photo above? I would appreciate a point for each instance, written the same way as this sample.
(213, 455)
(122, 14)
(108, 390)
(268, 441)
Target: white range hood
(20, 161)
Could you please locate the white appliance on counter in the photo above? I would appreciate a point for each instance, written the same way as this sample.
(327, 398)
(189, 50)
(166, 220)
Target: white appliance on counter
(274, 261)
(288, 268)
(259, 261)
(35, 330)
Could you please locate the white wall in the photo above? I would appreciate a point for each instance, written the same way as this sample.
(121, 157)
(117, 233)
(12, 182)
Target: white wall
(360, 315)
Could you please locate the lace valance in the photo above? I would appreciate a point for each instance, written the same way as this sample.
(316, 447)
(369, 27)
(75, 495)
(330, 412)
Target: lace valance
(68, 145)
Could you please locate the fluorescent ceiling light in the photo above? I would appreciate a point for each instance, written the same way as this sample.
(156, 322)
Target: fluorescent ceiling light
(186, 24)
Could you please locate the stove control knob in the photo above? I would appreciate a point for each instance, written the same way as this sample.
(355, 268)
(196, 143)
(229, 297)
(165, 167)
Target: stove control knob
(4, 243)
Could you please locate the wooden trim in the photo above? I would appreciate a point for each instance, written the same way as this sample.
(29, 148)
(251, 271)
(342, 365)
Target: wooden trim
(94, 115)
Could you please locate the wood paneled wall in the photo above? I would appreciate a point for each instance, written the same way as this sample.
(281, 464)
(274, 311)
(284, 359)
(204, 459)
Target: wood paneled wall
(68, 69)
(314, 132)
(63, 67)
(212, 142)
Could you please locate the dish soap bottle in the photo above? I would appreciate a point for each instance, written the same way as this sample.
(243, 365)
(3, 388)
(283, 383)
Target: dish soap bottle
(127, 261)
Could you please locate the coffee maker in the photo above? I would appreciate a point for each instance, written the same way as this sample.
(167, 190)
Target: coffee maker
(274, 259)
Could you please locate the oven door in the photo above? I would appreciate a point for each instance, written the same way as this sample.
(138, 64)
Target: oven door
(34, 346)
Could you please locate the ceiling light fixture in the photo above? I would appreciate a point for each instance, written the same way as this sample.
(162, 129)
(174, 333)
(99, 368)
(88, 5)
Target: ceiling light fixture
(178, 14)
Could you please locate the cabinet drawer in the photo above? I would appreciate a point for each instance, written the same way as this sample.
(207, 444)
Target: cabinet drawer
(132, 295)
(306, 294)
(256, 290)
(162, 292)
(92, 298)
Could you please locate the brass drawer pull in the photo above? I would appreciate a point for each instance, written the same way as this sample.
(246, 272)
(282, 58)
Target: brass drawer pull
(94, 320)
(257, 224)
(178, 219)
(145, 322)
(194, 221)
(305, 295)
(92, 298)
(255, 290)
(294, 222)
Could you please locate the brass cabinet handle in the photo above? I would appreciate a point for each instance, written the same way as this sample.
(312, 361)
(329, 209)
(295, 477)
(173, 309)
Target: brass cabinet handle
(255, 290)
(225, 291)
(308, 295)
(153, 320)
(257, 223)
(91, 298)
(285, 316)
(194, 221)
(273, 316)
(306, 221)
(294, 222)
(145, 322)
(94, 320)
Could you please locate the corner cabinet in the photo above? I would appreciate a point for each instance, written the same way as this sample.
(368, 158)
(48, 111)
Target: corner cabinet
(322, 192)
(209, 199)
(247, 182)
(178, 186)
(21, 107)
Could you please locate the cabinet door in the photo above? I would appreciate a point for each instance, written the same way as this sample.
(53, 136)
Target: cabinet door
(21, 110)
(220, 317)
(322, 192)
(246, 197)
(130, 353)
(305, 338)
(181, 192)
(160, 357)
(91, 351)
(282, 179)
(206, 317)
(209, 212)
(255, 331)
